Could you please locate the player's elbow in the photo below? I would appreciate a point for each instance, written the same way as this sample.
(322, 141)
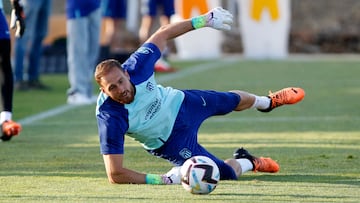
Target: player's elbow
(164, 29)
(111, 180)
(160, 37)
(117, 179)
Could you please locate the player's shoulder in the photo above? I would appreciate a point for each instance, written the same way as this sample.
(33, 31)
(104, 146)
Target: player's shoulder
(106, 105)
(146, 49)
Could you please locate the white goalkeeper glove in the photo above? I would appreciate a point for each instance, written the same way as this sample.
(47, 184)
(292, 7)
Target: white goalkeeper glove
(173, 176)
(217, 18)
(17, 20)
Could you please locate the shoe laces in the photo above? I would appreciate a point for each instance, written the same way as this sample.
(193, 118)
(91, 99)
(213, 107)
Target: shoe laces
(278, 98)
(258, 163)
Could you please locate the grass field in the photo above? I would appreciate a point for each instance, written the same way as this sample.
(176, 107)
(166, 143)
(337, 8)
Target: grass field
(317, 142)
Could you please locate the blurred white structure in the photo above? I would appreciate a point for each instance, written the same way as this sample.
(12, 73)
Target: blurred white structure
(132, 22)
(265, 26)
(202, 43)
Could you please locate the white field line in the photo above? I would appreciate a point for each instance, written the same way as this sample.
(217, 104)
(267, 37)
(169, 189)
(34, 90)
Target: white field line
(284, 119)
(329, 120)
(46, 114)
(163, 78)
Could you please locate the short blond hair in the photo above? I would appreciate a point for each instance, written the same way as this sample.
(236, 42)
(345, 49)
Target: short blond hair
(104, 68)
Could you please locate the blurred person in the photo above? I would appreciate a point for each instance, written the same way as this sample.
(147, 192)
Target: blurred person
(166, 120)
(114, 18)
(28, 49)
(9, 128)
(83, 33)
(149, 11)
(118, 42)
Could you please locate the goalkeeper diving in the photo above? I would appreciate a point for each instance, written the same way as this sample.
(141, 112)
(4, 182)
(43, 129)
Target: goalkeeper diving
(166, 120)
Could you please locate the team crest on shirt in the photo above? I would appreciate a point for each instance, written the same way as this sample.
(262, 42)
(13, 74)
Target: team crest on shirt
(150, 86)
(129, 64)
(185, 153)
(145, 50)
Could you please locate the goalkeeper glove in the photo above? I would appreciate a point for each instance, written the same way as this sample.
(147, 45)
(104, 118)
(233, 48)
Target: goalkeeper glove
(155, 179)
(217, 18)
(17, 18)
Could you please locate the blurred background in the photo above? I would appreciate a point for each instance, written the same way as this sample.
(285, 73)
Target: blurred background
(313, 27)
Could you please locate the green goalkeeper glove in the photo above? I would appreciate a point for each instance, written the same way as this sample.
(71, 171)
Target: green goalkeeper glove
(155, 179)
(217, 18)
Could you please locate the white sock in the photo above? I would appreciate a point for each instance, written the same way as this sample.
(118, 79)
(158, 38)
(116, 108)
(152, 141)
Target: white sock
(245, 165)
(5, 116)
(261, 102)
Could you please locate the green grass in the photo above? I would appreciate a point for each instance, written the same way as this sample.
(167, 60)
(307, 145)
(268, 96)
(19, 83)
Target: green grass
(27, 103)
(316, 142)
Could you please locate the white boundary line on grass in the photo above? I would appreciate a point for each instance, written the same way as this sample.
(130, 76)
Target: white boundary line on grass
(46, 114)
(163, 78)
(283, 119)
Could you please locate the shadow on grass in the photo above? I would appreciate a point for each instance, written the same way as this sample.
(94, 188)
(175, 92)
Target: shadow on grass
(299, 178)
(275, 196)
(73, 198)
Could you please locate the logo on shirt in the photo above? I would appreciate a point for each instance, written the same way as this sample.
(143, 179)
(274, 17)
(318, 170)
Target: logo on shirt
(150, 86)
(129, 64)
(203, 100)
(153, 108)
(185, 153)
(145, 50)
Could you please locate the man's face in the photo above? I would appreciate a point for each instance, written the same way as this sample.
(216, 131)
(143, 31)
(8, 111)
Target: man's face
(116, 84)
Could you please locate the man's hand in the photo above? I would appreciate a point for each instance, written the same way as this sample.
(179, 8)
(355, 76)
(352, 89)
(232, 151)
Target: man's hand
(217, 18)
(169, 180)
(155, 179)
(17, 18)
(174, 175)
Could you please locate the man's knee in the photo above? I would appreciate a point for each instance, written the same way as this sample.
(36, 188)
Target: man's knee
(234, 165)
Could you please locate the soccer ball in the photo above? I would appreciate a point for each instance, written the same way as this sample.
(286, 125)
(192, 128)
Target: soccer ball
(199, 175)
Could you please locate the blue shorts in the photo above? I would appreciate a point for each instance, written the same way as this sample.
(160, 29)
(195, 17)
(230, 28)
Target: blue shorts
(198, 105)
(150, 7)
(114, 8)
(4, 28)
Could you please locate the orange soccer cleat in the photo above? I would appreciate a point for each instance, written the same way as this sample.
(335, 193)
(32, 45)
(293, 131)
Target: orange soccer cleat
(260, 164)
(268, 165)
(10, 128)
(290, 95)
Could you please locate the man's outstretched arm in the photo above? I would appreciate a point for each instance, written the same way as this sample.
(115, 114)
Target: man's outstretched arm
(218, 18)
(117, 173)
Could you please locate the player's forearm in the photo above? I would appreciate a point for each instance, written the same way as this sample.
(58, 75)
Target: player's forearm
(116, 173)
(170, 31)
(126, 176)
(176, 29)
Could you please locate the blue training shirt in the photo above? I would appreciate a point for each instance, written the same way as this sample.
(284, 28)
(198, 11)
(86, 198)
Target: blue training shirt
(149, 119)
(81, 8)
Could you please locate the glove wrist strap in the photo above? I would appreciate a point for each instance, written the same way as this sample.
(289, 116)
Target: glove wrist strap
(153, 179)
(198, 22)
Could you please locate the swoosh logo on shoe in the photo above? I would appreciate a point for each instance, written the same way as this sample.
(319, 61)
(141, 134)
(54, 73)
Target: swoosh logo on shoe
(204, 102)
